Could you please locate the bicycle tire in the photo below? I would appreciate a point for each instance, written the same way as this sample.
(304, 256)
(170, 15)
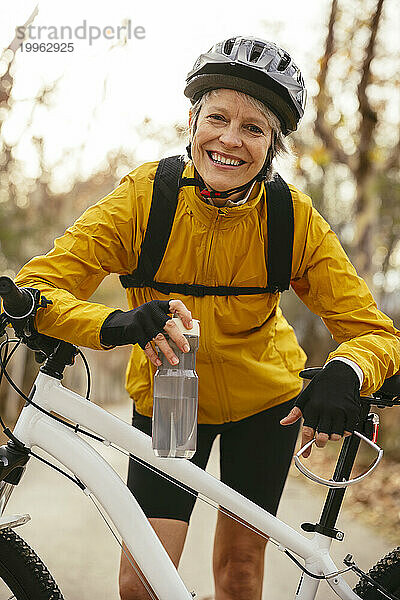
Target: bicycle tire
(386, 572)
(22, 570)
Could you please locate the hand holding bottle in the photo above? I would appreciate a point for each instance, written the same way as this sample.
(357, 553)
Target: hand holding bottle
(146, 324)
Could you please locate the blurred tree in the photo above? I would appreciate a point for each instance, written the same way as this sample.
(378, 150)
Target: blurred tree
(348, 160)
(10, 196)
(32, 215)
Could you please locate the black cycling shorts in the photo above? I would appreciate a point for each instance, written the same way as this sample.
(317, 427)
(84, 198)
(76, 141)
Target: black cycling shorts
(255, 455)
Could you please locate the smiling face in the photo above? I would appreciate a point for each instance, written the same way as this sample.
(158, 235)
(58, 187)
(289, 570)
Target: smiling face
(230, 142)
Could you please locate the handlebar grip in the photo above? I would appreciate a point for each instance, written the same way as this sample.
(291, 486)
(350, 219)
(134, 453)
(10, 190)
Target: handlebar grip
(16, 303)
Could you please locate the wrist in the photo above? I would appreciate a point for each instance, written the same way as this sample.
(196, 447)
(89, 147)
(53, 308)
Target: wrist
(109, 332)
(347, 361)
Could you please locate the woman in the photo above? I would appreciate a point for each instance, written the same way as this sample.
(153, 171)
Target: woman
(247, 94)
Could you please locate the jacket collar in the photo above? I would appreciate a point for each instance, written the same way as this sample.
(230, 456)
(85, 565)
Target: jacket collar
(208, 213)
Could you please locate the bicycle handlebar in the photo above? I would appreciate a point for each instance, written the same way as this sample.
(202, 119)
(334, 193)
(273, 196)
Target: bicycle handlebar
(20, 306)
(17, 303)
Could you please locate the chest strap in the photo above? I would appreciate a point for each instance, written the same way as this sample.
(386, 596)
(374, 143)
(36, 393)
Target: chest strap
(280, 227)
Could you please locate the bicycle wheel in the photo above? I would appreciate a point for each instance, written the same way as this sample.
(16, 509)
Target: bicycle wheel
(387, 573)
(23, 571)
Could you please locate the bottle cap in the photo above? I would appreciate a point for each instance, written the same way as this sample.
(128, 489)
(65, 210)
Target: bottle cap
(195, 331)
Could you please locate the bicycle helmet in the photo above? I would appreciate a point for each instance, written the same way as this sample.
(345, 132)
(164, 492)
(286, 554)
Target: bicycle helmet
(257, 68)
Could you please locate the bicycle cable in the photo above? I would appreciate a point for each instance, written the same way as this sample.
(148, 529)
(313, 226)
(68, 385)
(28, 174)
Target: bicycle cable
(227, 513)
(85, 362)
(77, 429)
(6, 361)
(3, 371)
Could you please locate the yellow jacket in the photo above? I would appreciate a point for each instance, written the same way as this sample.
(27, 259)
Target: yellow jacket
(249, 357)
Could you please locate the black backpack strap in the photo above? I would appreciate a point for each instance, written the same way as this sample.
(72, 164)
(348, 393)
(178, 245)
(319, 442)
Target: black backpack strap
(280, 227)
(199, 290)
(161, 217)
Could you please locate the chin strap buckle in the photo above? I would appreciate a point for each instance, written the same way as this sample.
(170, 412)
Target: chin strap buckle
(210, 194)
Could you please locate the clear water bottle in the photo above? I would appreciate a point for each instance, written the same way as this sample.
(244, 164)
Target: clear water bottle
(175, 399)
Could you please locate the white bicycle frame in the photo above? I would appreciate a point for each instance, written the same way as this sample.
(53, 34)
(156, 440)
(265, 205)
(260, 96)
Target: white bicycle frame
(35, 428)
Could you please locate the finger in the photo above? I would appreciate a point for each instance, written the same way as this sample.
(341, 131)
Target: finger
(335, 437)
(176, 335)
(321, 439)
(152, 354)
(347, 433)
(292, 417)
(307, 435)
(310, 420)
(338, 424)
(177, 307)
(166, 349)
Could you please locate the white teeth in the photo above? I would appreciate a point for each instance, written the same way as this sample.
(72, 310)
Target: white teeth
(225, 161)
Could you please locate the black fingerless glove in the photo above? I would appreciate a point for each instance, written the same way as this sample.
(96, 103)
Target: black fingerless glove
(137, 326)
(331, 401)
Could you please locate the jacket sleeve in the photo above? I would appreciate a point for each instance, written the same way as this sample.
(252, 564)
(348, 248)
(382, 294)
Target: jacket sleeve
(327, 283)
(102, 241)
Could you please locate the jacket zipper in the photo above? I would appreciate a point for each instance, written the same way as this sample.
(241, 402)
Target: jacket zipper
(207, 305)
(211, 239)
(204, 276)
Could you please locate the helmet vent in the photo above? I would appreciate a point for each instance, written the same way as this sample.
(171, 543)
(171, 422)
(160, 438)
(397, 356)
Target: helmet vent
(256, 52)
(255, 67)
(228, 46)
(284, 62)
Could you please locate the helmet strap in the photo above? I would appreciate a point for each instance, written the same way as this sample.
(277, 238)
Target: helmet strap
(189, 150)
